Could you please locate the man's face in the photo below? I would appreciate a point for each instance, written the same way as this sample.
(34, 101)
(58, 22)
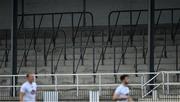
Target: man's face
(30, 78)
(126, 80)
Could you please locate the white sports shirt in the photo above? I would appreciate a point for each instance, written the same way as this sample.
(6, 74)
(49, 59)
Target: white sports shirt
(30, 91)
(122, 90)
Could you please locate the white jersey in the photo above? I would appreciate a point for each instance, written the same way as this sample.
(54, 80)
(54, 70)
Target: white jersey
(122, 90)
(30, 91)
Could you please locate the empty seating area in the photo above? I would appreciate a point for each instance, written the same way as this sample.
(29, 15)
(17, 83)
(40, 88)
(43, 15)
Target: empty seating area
(72, 43)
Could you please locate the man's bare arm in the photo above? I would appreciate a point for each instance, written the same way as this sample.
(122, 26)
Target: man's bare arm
(130, 99)
(21, 95)
(117, 97)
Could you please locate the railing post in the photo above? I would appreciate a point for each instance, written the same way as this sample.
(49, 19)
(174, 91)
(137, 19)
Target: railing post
(115, 76)
(73, 40)
(77, 85)
(177, 64)
(94, 70)
(52, 64)
(142, 83)
(131, 34)
(14, 85)
(81, 50)
(163, 81)
(167, 83)
(25, 50)
(144, 52)
(55, 81)
(100, 84)
(102, 59)
(45, 55)
(65, 58)
(172, 26)
(135, 65)
(122, 45)
(165, 49)
(6, 51)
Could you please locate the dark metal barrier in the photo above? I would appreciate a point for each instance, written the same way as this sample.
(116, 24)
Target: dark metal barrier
(113, 27)
(55, 31)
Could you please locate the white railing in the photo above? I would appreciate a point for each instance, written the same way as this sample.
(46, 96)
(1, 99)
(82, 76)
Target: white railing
(164, 82)
(142, 77)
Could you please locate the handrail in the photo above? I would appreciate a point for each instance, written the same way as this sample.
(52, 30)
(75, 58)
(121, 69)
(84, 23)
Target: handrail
(123, 54)
(2, 61)
(146, 83)
(6, 53)
(110, 37)
(100, 84)
(53, 69)
(53, 37)
(56, 13)
(74, 34)
(159, 62)
(146, 10)
(163, 52)
(83, 53)
(102, 74)
(34, 37)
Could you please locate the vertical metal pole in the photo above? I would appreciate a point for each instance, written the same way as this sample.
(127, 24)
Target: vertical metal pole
(77, 85)
(25, 50)
(6, 51)
(151, 39)
(122, 45)
(172, 25)
(52, 64)
(81, 50)
(55, 81)
(144, 51)
(100, 83)
(45, 55)
(142, 88)
(73, 40)
(94, 70)
(54, 44)
(14, 40)
(14, 86)
(22, 12)
(168, 83)
(115, 76)
(34, 47)
(163, 87)
(84, 11)
(177, 67)
(131, 34)
(165, 47)
(102, 59)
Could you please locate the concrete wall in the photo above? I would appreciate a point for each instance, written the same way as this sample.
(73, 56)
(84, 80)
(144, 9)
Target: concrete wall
(100, 9)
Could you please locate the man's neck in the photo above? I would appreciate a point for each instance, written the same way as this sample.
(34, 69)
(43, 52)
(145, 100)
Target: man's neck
(124, 84)
(29, 82)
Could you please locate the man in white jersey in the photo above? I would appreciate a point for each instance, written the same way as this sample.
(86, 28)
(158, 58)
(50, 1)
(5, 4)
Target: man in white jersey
(121, 93)
(28, 89)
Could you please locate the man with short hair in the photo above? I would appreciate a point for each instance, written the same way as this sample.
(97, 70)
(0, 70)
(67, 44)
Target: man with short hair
(121, 93)
(28, 89)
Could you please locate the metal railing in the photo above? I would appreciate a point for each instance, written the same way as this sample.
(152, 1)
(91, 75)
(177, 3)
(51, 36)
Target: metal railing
(165, 83)
(55, 31)
(142, 82)
(138, 13)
